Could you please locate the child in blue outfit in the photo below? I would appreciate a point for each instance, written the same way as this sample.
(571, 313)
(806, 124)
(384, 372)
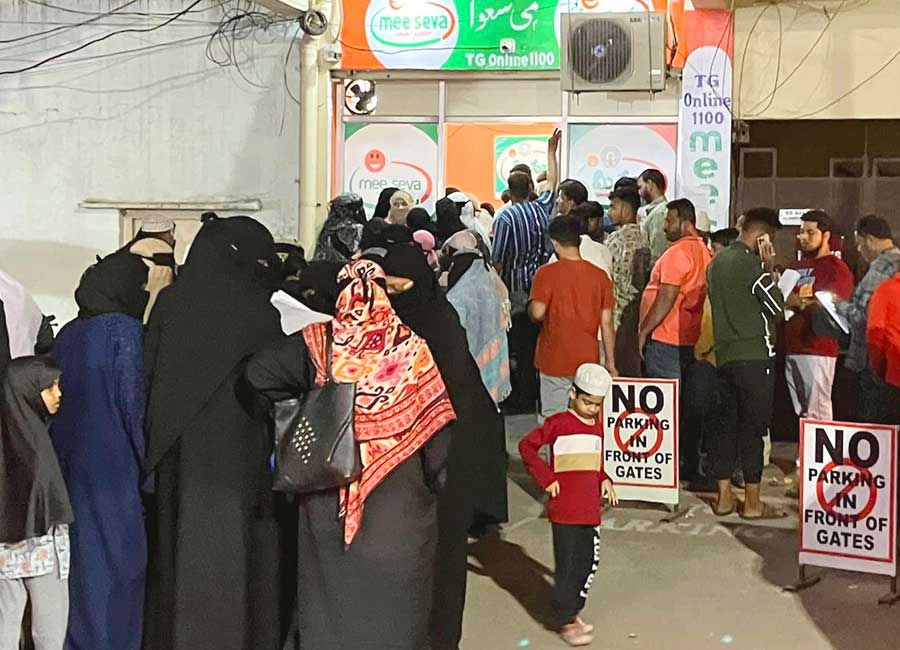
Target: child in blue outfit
(575, 480)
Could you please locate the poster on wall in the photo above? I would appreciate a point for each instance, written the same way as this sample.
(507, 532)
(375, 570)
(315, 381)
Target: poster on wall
(404, 156)
(510, 151)
(463, 34)
(600, 154)
(704, 117)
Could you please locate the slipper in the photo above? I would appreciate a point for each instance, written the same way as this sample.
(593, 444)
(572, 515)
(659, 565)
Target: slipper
(768, 513)
(723, 513)
(587, 628)
(575, 636)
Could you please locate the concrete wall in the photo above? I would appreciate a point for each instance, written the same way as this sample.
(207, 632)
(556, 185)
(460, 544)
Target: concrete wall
(821, 60)
(158, 125)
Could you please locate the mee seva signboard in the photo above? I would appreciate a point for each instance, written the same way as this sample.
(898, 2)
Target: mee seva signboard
(463, 34)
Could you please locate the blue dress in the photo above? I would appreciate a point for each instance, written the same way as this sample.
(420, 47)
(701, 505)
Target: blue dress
(99, 439)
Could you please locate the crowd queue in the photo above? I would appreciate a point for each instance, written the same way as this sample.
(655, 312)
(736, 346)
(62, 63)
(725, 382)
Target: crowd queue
(136, 466)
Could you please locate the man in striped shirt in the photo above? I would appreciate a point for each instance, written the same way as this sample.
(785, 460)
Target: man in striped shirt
(520, 247)
(746, 304)
(520, 243)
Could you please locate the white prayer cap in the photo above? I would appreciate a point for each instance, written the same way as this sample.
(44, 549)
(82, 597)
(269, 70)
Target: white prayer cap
(593, 379)
(157, 225)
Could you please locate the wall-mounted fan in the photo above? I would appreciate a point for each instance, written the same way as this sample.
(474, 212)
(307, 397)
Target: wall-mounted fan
(360, 97)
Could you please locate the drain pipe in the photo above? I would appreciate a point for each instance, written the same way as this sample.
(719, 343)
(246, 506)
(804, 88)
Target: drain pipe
(309, 140)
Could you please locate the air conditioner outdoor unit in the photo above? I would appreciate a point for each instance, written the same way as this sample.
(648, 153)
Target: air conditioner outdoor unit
(613, 51)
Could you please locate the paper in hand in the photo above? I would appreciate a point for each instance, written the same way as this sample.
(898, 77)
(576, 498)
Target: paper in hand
(827, 301)
(294, 314)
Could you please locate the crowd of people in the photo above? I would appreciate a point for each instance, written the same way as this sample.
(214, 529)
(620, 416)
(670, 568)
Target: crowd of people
(136, 467)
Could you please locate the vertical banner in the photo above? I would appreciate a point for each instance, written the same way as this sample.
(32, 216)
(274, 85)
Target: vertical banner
(600, 154)
(404, 156)
(848, 487)
(704, 115)
(640, 433)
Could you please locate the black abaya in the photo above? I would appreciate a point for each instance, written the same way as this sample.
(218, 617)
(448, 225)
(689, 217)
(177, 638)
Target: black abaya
(376, 594)
(476, 472)
(214, 556)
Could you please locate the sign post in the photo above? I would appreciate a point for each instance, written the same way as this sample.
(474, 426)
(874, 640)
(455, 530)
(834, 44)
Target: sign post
(640, 426)
(848, 490)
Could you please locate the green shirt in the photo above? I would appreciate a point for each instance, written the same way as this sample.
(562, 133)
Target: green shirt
(746, 303)
(653, 226)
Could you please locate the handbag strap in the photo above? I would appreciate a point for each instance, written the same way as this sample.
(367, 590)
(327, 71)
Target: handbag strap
(329, 338)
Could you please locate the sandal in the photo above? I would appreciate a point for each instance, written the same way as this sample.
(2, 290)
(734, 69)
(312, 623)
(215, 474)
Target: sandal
(768, 512)
(574, 635)
(723, 513)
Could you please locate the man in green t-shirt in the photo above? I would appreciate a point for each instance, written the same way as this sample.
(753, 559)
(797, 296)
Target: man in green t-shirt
(746, 305)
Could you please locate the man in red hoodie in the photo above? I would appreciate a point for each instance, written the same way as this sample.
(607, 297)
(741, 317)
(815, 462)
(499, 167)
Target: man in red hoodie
(575, 480)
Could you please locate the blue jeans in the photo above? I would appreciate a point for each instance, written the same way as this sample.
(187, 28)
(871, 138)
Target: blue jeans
(666, 361)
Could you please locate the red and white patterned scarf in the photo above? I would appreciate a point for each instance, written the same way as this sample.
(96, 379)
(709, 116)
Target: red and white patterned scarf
(401, 399)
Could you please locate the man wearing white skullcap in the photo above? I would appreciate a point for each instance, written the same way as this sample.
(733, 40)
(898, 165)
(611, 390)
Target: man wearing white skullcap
(162, 229)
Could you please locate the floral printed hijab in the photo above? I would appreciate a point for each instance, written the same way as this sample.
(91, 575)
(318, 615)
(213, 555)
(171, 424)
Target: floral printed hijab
(401, 399)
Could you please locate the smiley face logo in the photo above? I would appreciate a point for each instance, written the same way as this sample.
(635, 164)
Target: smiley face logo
(375, 161)
(592, 161)
(590, 5)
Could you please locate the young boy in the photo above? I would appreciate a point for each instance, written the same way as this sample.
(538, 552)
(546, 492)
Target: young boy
(574, 479)
(573, 301)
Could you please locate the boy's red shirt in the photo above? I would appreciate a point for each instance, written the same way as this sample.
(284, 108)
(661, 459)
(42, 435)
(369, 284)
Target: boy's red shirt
(576, 461)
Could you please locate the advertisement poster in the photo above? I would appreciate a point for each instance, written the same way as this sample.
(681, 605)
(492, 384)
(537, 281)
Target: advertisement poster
(510, 151)
(848, 484)
(640, 430)
(704, 117)
(600, 154)
(479, 155)
(404, 156)
(463, 34)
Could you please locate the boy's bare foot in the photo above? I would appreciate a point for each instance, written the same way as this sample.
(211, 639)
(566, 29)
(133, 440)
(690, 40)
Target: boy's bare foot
(725, 503)
(574, 635)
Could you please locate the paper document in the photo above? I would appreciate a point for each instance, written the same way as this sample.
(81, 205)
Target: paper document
(788, 281)
(294, 314)
(827, 301)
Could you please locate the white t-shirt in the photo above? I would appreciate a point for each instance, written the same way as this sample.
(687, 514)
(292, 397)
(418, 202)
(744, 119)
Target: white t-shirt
(594, 252)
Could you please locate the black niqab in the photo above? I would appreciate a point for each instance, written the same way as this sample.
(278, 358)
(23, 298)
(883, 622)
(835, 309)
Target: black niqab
(114, 285)
(33, 496)
(384, 203)
(317, 287)
(216, 315)
(448, 219)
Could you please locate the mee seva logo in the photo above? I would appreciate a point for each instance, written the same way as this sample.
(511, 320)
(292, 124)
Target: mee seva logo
(377, 172)
(418, 33)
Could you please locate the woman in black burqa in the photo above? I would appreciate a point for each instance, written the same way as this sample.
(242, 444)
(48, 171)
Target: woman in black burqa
(213, 574)
(476, 472)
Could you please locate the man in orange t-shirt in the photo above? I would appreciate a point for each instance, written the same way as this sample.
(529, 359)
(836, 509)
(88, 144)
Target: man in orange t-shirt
(573, 302)
(672, 304)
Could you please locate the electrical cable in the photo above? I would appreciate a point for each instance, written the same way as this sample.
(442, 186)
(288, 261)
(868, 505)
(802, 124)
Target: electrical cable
(744, 54)
(83, 46)
(852, 90)
(777, 61)
(146, 14)
(752, 112)
(68, 26)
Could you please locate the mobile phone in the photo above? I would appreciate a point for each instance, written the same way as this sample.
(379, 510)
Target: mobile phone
(766, 249)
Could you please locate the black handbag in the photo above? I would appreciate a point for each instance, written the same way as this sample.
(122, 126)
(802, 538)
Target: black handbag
(315, 445)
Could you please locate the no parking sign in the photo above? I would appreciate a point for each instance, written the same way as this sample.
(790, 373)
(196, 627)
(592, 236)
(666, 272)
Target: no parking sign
(640, 426)
(848, 491)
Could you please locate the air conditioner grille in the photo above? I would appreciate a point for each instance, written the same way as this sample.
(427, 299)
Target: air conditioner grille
(600, 50)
